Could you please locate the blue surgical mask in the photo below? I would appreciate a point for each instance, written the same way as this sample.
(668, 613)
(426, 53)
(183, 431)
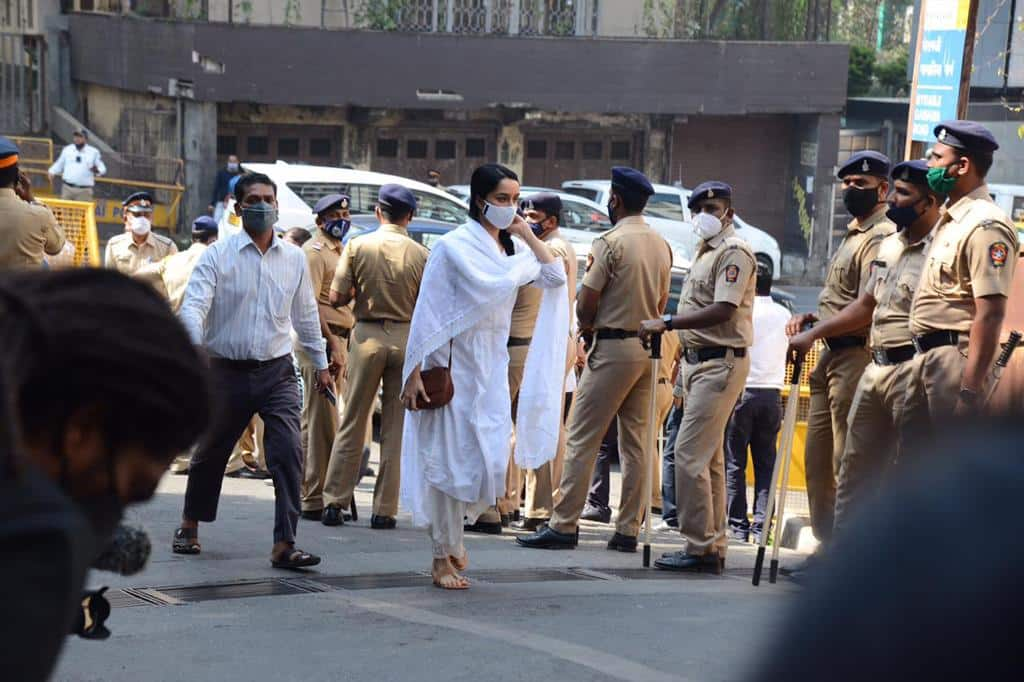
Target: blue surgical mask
(337, 228)
(259, 217)
(536, 228)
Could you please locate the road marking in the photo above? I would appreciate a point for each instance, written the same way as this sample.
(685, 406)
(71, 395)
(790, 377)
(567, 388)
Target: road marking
(595, 659)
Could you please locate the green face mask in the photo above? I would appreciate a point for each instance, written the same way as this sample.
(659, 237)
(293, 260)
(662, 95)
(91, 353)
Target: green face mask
(939, 181)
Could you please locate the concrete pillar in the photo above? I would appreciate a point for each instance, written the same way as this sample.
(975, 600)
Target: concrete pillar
(816, 148)
(199, 152)
(658, 148)
(510, 148)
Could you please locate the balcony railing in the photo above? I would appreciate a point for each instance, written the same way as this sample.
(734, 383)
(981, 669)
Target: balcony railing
(476, 17)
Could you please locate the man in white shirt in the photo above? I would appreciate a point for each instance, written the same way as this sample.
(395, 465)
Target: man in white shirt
(757, 416)
(245, 295)
(78, 166)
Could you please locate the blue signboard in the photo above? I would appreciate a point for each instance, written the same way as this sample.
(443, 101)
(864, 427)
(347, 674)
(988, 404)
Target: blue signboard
(940, 62)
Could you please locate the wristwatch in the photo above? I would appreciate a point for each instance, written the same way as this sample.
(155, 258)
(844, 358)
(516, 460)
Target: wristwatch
(667, 319)
(968, 397)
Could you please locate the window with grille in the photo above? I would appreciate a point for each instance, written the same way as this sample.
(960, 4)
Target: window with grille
(288, 146)
(416, 149)
(227, 145)
(476, 147)
(536, 149)
(258, 145)
(320, 146)
(444, 149)
(387, 149)
(565, 151)
(592, 150)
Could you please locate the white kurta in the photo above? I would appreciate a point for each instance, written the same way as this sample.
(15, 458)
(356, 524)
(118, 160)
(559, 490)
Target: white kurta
(466, 298)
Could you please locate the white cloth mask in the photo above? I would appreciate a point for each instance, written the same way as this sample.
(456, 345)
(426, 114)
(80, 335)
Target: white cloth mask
(707, 226)
(499, 216)
(139, 225)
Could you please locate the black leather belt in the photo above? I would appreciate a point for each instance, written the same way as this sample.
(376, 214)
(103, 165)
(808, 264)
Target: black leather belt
(514, 341)
(71, 184)
(615, 334)
(892, 356)
(945, 337)
(694, 356)
(343, 332)
(843, 342)
(246, 365)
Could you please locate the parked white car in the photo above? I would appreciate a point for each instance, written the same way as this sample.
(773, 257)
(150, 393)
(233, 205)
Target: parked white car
(300, 186)
(669, 203)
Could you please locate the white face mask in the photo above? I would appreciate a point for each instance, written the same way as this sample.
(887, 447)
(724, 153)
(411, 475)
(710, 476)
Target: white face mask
(139, 225)
(707, 226)
(499, 216)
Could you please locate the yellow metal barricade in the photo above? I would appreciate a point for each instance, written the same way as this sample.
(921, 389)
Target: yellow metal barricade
(78, 218)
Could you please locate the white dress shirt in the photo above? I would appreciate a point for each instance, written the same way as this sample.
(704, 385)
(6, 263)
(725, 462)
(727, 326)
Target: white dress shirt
(768, 354)
(241, 304)
(75, 166)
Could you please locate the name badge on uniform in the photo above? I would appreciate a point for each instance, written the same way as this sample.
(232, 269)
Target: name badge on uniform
(732, 273)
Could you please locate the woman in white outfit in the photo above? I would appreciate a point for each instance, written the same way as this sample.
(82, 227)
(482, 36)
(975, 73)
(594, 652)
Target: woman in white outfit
(454, 457)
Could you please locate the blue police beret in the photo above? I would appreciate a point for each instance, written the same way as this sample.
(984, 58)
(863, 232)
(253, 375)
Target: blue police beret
(631, 180)
(330, 201)
(712, 189)
(545, 202)
(8, 153)
(866, 163)
(204, 223)
(139, 201)
(915, 171)
(396, 196)
(966, 135)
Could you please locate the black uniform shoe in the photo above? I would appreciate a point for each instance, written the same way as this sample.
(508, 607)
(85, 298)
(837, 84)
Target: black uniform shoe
(691, 563)
(529, 524)
(549, 538)
(332, 516)
(312, 514)
(486, 527)
(595, 514)
(246, 472)
(383, 522)
(622, 543)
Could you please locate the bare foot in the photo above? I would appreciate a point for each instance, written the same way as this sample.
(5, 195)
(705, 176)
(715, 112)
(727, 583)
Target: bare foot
(445, 576)
(460, 564)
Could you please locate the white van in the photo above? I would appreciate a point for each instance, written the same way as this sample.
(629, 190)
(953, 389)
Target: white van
(669, 203)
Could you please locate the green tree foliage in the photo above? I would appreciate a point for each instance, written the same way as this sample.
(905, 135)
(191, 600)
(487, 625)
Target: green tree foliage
(380, 15)
(862, 66)
(891, 72)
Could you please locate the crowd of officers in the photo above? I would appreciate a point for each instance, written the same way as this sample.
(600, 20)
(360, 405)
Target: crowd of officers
(910, 318)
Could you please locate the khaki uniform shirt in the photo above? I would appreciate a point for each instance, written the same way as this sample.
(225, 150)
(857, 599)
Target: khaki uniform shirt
(385, 268)
(850, 269)
(894, 278)
(27, 231)
(973, 253)
(322, 256)
(723, 271)
(630, 265)
(170, 276)
(524, 314)
(124, 255)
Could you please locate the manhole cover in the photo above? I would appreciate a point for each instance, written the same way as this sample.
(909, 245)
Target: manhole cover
(499, 576)
(120, 599)
(236, 590)
(375, 582)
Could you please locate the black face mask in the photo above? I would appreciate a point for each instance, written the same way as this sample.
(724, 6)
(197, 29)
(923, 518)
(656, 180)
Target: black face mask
(104, 511)
(860, 202)
(611, 214)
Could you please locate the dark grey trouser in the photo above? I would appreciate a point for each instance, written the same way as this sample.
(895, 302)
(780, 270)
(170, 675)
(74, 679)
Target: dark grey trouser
(668, 467)
(600, 481)
(755, 422)
(271, 391)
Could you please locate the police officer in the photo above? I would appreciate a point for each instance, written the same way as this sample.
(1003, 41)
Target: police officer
(381, 272)
(958, 309)
(875, 413)
(715, 319)
(29, 229)
(543, 214)
(138, 245)
(170, 275)
(865, 178)
(627, 281)
(319, 417)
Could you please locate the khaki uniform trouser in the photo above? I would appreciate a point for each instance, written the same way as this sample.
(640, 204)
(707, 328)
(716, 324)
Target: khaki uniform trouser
(833, 383)
(933, 388)
(876, 415)
(75, 193)
(319, 422)
(610, 387)
(710, 391)
(514, 476)
(664, 407)
(248, 451)
(376, 354)
(541, 493)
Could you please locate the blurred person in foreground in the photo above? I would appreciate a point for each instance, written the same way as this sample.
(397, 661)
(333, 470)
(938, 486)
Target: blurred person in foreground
(132, 393)
(245, 295)
(454, 457)
(882, 609)
(30, 230)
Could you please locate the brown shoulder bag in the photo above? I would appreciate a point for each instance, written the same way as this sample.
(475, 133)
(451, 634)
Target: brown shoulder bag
(437, 382)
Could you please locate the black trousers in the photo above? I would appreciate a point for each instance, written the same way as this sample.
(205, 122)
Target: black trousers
(271, 391)
(600, 481)
(755, 422)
